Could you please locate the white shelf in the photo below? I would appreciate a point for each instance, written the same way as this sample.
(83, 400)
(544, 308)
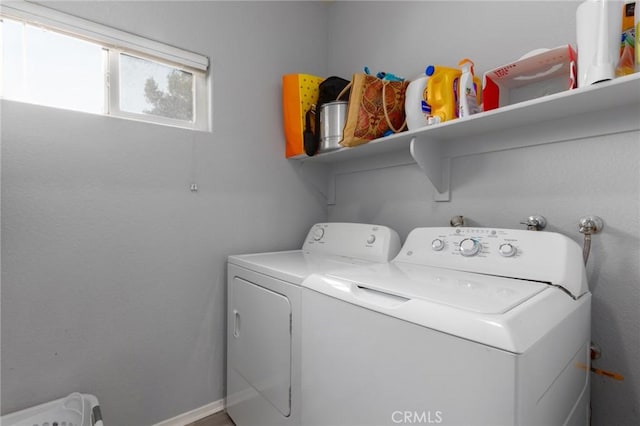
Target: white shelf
(605, 108)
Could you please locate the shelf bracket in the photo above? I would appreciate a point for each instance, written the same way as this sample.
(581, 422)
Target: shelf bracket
(445, 194)
(428, 155)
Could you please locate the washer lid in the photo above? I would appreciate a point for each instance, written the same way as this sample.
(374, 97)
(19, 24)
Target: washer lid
(504, 313)
(461, 290)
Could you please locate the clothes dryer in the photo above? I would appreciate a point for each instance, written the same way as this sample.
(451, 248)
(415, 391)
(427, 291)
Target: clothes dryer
(263, 319)
(464, 327)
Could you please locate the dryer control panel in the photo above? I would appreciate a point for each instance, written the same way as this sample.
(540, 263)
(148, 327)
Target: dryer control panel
(363, 241)
(532, 255)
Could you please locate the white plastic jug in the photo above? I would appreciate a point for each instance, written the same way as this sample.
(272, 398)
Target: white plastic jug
(598, 29)
(415, 103)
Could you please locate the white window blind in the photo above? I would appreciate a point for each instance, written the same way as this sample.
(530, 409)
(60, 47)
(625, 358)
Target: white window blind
(110, 37)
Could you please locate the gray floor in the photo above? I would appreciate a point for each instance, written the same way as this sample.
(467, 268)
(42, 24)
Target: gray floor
(218, 419)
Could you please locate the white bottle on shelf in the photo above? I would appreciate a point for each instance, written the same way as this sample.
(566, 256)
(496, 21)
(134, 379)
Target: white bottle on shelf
(598, 29)
(467, 91)
(415, 103)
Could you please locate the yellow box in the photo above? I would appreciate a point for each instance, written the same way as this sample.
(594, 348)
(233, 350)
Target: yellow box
(299, 92)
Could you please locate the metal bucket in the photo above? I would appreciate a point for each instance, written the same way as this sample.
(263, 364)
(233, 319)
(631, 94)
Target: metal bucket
(333, 116)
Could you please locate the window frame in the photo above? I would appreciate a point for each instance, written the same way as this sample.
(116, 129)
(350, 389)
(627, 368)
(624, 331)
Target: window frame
(116, 42)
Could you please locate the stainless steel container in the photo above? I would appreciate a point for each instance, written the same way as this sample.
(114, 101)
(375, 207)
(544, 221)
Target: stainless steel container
(333, 116)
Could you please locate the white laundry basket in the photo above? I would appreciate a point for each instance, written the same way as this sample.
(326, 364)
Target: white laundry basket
(77, 409)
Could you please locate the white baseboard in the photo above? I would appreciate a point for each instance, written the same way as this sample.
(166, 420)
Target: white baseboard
(194, 415)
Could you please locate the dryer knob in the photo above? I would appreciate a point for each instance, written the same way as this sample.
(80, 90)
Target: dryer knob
(437, 244)
(318, 233)
(371, 239)
(469, 247)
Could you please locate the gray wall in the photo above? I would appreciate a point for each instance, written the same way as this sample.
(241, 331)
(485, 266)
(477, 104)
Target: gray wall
(112, 270)
(562, 181)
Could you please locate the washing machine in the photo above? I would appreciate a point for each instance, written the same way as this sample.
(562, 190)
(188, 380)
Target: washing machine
(263, 319)
(464, 327)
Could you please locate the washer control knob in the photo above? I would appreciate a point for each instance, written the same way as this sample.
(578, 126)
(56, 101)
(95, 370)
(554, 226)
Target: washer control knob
(318, 233)
(437, 244)
(469, 247)
(507, 250)
(371, 239)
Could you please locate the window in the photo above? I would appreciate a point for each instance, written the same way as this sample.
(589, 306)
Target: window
(54, 59)
(148, 87)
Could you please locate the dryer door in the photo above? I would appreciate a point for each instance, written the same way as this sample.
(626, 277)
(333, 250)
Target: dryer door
(260, 345)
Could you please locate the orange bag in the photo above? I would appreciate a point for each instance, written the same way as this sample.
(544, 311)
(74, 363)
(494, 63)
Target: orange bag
(375, 107)
(299, 92)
